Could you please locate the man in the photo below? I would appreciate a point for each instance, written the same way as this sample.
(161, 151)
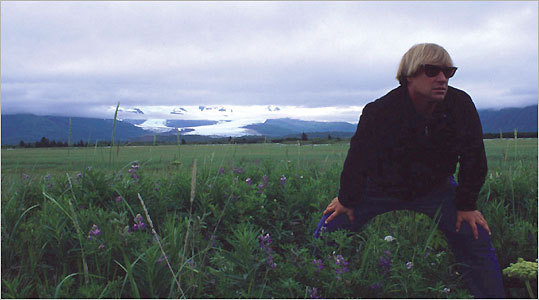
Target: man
(404, 154)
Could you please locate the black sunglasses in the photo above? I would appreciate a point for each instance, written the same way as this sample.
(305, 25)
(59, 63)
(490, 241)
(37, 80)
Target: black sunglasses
(434, 70)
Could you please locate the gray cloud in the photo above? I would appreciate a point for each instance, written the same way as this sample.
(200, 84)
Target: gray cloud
(78, 57)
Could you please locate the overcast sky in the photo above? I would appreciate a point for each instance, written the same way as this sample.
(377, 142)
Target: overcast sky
(313, 60)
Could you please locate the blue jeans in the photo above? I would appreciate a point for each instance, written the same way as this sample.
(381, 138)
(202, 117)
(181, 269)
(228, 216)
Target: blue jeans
(481, 270)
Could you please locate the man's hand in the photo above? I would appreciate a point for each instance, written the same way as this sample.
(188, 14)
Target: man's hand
(473, 218)
(337, 208)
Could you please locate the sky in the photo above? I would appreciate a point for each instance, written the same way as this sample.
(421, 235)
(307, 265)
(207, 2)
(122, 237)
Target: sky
(319, 61)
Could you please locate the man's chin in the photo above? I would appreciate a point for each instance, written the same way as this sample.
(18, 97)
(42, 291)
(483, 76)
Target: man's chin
(437, 98)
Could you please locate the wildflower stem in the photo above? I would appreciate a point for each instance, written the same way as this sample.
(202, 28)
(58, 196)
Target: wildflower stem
(529, 288)
(191, 199)
(178, 142)
(113, 130)
(159, 243)
(79, 231)
(193, 182)
(69, 137)
(264, 285)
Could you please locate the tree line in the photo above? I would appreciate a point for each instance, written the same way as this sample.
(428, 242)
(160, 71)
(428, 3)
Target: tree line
(46, 143)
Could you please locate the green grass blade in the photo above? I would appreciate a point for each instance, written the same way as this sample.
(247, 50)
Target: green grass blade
(59, 286)
(18, 221)
(113, 131)
(59, 205)
(69, 137)
(434, 225)
(129, 273)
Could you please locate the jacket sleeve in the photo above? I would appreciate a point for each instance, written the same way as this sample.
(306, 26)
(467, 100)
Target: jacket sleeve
(360, 156)
(472, 158)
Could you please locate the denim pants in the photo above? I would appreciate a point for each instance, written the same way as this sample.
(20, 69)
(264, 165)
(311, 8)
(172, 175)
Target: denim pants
(481, 270)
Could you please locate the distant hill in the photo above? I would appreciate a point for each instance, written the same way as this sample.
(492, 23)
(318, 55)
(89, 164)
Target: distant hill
(31, 128)
(507, 119)
(286, 126)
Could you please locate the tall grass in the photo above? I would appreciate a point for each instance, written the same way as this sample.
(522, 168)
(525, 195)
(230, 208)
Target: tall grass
(113, 131)
(205, 237)
(178, 143)
(69, 136)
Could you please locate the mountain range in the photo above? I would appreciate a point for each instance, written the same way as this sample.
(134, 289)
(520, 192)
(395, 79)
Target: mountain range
(31, 128)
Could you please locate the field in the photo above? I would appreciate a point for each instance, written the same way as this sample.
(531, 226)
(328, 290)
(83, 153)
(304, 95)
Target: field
(74, 225)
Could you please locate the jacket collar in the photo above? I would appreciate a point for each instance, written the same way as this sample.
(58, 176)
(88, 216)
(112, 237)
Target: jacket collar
(408, 108)
(406, 105)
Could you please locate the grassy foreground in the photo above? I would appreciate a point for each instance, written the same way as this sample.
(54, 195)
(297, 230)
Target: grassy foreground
(74, 225)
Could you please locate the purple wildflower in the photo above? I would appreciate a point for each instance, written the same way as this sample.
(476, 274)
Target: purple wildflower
(270, 262)
(446, 290)
(94, 232)
(249, 181)
(263, 184)
(102, 246)
(265, 239)
(162, 259)
(409, 265)
(25, 176)
(134, 171)
(48, 177)
(313, 293)
(376, 286)
(318, 264)
(238, 170)
(260, 188)
(283, 180)
(118, 199)
(385, 261)
(265, 242)
(221, 170)
(341, 266)
(79, 176)
(211, 238)
(139, 225)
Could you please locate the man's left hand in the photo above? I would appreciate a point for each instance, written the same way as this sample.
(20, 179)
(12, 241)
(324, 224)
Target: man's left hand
(473, 218)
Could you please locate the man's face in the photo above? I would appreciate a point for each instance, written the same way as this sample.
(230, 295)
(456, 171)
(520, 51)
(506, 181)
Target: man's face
(428, 89)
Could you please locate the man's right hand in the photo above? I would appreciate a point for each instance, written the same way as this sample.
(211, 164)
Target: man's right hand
(337, 208)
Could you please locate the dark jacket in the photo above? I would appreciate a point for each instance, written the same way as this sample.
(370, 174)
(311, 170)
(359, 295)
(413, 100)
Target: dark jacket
(397, 152)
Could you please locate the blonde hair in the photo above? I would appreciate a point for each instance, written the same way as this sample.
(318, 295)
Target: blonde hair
(421, 54)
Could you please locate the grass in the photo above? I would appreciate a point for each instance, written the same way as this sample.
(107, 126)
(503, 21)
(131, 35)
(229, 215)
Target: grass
(42, 161)
(206, 238)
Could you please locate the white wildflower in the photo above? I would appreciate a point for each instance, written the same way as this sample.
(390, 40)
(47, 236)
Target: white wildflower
(389, 238)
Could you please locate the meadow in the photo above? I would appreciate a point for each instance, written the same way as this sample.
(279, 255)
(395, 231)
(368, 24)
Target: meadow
(234, 221)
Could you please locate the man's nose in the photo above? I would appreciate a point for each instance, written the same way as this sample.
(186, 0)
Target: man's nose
(441, 77)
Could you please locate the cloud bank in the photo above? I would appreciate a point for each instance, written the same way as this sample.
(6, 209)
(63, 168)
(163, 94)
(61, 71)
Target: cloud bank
(81, 58)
